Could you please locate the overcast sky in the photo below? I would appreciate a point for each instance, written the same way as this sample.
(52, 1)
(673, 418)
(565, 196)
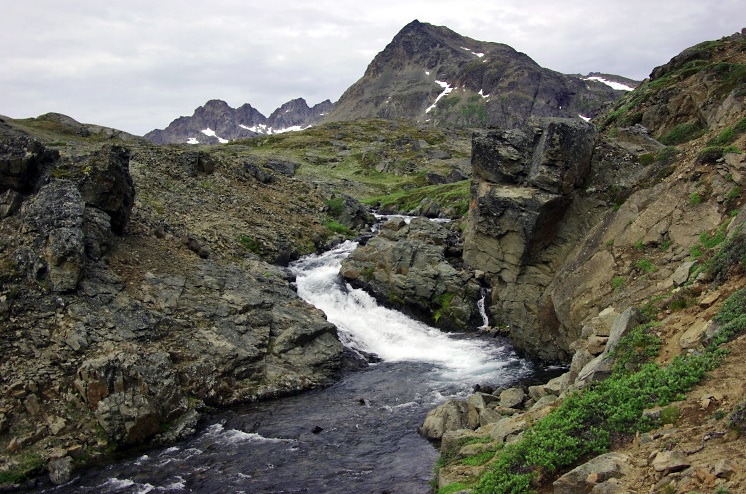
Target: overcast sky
(137, 65)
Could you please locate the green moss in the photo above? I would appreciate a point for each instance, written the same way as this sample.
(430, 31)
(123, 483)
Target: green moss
(27, 466)
(452, 488)
(456, 196)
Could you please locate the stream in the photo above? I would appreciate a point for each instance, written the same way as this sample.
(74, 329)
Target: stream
(359, 435)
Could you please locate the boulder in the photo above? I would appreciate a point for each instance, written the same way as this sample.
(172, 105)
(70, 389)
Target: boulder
(512, 397)
(60, 470)
(670, 461)
(596, 471)
(10, 202)
(56, 213)
(407, 265)
(550, 154)
(508, 427)
(450, 416)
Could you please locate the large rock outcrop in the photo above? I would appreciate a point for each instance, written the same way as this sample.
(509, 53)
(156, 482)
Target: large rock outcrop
(115, 329)
(524, 184)
(407, 265)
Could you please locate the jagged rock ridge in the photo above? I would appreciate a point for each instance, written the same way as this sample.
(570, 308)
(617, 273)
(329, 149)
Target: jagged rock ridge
(216, 122)
(433, 74)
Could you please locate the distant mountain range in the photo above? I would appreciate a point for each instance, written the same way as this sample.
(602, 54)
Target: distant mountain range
(427, 73)
(216, 122)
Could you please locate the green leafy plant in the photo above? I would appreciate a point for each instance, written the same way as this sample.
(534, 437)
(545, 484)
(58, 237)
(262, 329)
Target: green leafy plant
(695, 198)
(646, 266)
(730, 259)
(637, 348)
(443, 304)
(617, 282)
(335, 206)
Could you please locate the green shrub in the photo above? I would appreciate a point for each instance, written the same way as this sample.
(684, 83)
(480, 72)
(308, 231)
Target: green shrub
(583, 425)
(725, 137)
(367, 273)
(443, 304)
(730, 259)
(637, 348)
(617, 282)
(335, 206)
(667, 155)
(740, 127)
(646, 266)
(646, 159)
(250, 244)
(683, 133)
(335, 226)
(710, 154)
(695, 198)
(731, 317)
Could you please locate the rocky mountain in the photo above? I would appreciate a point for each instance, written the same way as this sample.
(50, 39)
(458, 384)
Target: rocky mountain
(216, 122)
(429, 74)
(435, 75)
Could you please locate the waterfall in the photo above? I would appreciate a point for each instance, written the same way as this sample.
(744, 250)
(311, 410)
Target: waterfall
(394, 337)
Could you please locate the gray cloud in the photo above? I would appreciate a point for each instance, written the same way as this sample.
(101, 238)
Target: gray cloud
(140, 64)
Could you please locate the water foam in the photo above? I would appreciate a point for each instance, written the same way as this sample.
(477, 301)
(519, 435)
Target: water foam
(367, 326)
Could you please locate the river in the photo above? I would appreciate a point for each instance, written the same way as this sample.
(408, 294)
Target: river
(359, 435)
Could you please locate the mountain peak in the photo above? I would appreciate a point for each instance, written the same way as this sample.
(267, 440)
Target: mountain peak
(433, 74)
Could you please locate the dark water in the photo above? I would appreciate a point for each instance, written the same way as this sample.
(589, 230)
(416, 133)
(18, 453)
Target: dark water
(359, 435)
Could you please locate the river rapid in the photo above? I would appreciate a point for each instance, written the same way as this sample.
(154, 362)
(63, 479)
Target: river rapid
(359, 435)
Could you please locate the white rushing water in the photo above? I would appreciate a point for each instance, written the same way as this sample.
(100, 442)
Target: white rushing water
(367, 326)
